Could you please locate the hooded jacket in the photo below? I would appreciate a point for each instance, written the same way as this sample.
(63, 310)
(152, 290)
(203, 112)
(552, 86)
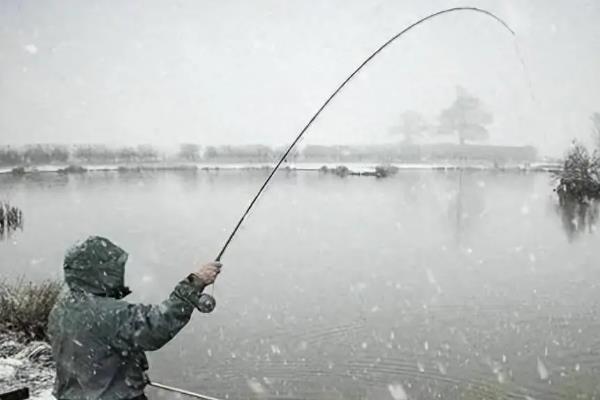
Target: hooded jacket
(98, 340)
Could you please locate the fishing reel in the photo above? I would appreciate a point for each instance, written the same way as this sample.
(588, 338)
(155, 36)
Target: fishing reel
(206, 303)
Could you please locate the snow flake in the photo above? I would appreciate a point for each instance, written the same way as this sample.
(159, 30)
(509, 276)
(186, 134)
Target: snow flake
(275, 349)
(542, 370)
(255, 386)
(397, 391)
(7, 372)
(31, 48)
(441, 368)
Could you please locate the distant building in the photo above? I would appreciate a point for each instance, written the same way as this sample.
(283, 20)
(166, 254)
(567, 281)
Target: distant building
(494, 154)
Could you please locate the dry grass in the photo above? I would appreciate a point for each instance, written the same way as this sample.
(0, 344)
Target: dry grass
(25, 306)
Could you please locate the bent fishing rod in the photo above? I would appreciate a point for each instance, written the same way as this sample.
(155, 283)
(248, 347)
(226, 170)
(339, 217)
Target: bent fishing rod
(303, 131)
(335, 92)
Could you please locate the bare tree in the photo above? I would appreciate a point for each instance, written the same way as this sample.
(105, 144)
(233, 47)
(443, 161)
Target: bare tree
(412, 125)
(466, 118)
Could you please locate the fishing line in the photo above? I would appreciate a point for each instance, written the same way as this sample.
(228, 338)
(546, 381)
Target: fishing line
(335, 92)
(181, 391)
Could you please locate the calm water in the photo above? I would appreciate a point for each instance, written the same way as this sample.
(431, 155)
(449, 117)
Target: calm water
(425, 285)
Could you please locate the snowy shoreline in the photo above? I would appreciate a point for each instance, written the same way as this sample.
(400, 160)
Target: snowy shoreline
(353, 168)
(26, 365)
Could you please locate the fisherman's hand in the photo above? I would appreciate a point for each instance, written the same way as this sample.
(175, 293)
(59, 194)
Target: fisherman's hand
(208, 272)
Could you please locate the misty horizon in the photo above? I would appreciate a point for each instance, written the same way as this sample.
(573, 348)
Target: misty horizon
(212, 73)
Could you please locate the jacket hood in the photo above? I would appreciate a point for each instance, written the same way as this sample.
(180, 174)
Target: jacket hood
(96, 266)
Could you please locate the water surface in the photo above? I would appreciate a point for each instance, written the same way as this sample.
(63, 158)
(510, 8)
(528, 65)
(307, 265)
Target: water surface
(426, 285)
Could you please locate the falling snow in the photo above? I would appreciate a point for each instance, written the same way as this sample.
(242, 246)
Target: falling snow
(542, 370)
(31, 49)
(397, 391)
(256, 386)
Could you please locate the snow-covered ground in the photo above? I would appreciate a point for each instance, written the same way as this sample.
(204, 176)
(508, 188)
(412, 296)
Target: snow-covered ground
(26, 365)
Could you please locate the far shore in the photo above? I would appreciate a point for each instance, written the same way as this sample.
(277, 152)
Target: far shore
(353, 168)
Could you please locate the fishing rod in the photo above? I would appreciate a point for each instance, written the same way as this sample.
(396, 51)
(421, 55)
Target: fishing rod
(335, 92)
(210, 301)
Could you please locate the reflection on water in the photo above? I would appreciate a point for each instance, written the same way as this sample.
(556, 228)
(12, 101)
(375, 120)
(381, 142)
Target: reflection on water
(578, 216)
(425, 285)
(469, 203)
(11, 219)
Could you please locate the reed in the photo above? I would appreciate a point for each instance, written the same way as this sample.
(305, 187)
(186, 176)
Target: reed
(11, 218)
(25, 306)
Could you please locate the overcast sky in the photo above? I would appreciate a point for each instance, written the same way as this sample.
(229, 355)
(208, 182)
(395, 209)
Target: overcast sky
(239, 71)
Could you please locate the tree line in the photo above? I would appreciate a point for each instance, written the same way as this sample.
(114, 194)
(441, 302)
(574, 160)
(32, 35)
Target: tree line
(466, 119)
(45, 154)
(40, 154)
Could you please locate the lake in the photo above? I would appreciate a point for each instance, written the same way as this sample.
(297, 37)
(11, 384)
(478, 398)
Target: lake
(425, 285)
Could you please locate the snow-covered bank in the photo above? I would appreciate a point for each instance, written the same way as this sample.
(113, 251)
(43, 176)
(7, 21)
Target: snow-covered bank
(26, 365)
(353, 168)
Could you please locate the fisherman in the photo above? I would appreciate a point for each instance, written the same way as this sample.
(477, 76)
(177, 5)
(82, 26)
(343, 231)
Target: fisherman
(98, 340)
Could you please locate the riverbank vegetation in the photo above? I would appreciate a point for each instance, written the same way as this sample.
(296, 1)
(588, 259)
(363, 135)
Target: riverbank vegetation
(25, 355)
(579, 178)
(25, 307)
(397, 152)
(11, 218)
(578, 185)
(380, 171)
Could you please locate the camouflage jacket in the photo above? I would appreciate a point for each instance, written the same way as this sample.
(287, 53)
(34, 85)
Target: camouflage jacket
(98, 340)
